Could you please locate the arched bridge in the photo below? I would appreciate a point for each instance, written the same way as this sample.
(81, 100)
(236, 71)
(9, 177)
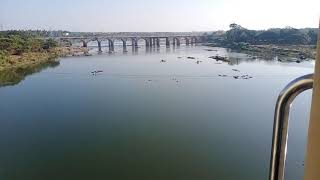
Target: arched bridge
(149, 41)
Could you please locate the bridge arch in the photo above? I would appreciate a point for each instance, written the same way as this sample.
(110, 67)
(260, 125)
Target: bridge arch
(120, 42)
(194, 40)
(187, 40)
(176, 41)
(134, 43)
(146, 41)
(84, 42)
(108, 42)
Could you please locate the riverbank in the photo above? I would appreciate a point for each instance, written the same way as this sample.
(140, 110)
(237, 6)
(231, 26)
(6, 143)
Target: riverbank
(30, 59)
(14, 68)
(295, 53)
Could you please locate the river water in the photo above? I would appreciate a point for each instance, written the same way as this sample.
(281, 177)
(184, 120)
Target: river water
(146, 119)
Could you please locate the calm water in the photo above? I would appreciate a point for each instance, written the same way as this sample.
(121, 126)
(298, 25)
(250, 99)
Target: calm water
(142, 119)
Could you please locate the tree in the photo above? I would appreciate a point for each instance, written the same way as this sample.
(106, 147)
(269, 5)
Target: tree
(239, 34)
(235, 26)
(313, 35)
(50, 43)
(3, 56)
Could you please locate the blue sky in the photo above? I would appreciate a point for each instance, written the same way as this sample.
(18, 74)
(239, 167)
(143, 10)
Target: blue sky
(156, 15)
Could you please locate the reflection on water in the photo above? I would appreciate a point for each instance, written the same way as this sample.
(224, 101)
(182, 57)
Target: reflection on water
(14, 76)
(144, 118)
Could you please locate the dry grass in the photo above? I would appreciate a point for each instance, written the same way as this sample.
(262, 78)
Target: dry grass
(34, 58)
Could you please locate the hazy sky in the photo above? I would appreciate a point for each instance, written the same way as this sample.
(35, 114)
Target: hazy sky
(157, 15)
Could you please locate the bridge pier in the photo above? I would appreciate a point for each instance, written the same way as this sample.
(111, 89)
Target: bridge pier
(167, 42)
(134, 44)
(193, 40)
(178, 41)
(124, 45)
(158, 42)
(99, 46)
(84, 44)
(148, 42)
(111, 46)
(154, 42)
(187, 41)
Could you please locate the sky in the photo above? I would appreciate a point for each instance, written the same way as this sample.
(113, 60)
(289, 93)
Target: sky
(156, 15)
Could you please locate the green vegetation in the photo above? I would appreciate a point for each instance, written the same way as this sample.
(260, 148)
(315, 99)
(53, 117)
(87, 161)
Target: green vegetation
(285, 36)
(22, 47)
(26, 52)
(299, 43)
(17, 44)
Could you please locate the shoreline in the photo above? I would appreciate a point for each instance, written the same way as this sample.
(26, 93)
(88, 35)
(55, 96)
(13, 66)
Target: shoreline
(286, 53)
(18, 67)
(31, 59)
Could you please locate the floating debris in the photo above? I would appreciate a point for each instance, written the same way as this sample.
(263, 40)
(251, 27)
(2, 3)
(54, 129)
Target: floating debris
(179, 57)
(220, 58)
(236, 70)
(210, 50)
(198, 62)
(237, 76)
(302, 57)
(163, 61)
(96, 72)
(222, 75)
(246, 76)
(174, 79)
(191, 57)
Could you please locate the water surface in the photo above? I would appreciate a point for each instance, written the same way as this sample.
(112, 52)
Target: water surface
(143, 119)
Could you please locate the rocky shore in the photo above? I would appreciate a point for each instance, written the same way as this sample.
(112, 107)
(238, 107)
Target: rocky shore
(283, 52)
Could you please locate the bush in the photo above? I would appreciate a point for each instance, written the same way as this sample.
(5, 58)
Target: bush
(49, 43)
(19, 44)
(3, 56)
(288, 35)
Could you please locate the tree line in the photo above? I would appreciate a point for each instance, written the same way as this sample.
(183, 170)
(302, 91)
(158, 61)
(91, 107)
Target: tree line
(288, 36)
(19, 42)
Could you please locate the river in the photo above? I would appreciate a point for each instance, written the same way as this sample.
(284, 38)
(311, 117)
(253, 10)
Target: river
(145, 119)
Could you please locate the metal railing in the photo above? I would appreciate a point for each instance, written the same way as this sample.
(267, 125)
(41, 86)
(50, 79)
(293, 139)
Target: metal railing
(281, 124)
